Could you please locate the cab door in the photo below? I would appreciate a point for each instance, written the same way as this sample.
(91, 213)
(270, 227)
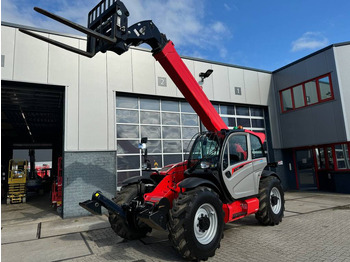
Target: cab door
(237, 166)
(258, 158)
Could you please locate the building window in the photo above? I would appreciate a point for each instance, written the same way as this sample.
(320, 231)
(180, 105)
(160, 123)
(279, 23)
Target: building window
(287, 100)
(325, 88)
(342, 156)
(333, 157)
(308, 93)
(170, 127)
(298, 95)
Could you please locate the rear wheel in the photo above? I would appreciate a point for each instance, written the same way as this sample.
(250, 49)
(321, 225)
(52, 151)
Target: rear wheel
(196, 223)
(130, 227)
(271, 201)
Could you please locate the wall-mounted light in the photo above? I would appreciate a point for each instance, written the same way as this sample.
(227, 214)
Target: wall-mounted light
(206, 74)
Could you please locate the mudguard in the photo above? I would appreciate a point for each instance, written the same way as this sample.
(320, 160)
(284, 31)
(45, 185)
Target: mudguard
(266, 173)
(193, 182)
(137, 179)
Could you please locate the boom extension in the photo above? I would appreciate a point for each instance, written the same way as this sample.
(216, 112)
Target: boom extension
(108, 31)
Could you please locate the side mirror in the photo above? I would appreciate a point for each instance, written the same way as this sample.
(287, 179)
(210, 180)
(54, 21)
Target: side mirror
(143, 144)
(143, 147)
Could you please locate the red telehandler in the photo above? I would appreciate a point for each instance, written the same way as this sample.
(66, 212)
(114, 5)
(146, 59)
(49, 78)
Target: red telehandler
(225, 177)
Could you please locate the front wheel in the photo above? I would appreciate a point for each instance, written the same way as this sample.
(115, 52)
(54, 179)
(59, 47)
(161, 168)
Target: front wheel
(129, 228)
(196, 223)
(271, 201)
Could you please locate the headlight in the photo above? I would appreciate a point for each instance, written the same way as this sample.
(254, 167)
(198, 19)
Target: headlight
(205, 164)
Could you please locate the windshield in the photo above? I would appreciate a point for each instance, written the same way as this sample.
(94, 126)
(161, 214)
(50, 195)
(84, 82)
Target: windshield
(205, 148)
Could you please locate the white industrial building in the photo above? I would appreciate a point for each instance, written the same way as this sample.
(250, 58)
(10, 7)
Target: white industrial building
(93, 112)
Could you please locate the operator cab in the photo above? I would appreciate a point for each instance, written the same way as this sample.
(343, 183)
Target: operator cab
(232, 159)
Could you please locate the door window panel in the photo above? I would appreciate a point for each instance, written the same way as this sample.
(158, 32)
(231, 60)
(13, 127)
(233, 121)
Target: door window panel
(189, 132)
(155, 160)
(185, 107)
(189, 120)
(258, 123)
(245, 122)
(172, 146)
(128, 162)
(305, 168)
(127, 131)
(150, 131)
(127, 116)
(127, 102)
(227, 110)
(150, 118)
(170, 106)
(154, 146)
(237, 149)
(127, 147)
(242, 111)
(149, 104)
(225, 159)
(170, 119)
(256, 146)
(172, 159)
(171, 132)
(330, 158)
(254, 111)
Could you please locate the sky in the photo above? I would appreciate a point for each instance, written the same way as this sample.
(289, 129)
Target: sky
(264, 35)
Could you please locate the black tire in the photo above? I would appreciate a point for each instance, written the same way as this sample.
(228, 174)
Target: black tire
(271, 201)
(130, 228)
(186, 235)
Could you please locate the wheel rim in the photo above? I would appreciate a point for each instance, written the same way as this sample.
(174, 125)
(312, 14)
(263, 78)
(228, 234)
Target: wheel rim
(275, 200)
(205, 223)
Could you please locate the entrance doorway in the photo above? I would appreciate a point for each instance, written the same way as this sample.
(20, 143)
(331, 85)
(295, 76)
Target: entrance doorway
(305, 168)
(32, 128)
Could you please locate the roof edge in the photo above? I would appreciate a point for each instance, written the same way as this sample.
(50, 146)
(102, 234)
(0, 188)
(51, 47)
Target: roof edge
(138, 48)
(40, 30)
(311, 55)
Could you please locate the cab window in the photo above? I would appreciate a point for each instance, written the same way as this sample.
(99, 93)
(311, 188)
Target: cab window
(237, 149)
(257, 148)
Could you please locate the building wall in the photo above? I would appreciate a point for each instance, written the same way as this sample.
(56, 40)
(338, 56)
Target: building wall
(91, 83)
(91, 86)
(315, 124)
(84, 174)
(342, 54)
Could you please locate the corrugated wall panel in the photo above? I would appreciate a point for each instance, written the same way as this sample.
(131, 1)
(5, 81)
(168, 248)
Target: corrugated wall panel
(143, 69)
(221, 84)
(342, 54)
(8, 51)
(236, 78)
(208, 86)
(252, 87)
(31, 59)
(93, 101)
(63, 68)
